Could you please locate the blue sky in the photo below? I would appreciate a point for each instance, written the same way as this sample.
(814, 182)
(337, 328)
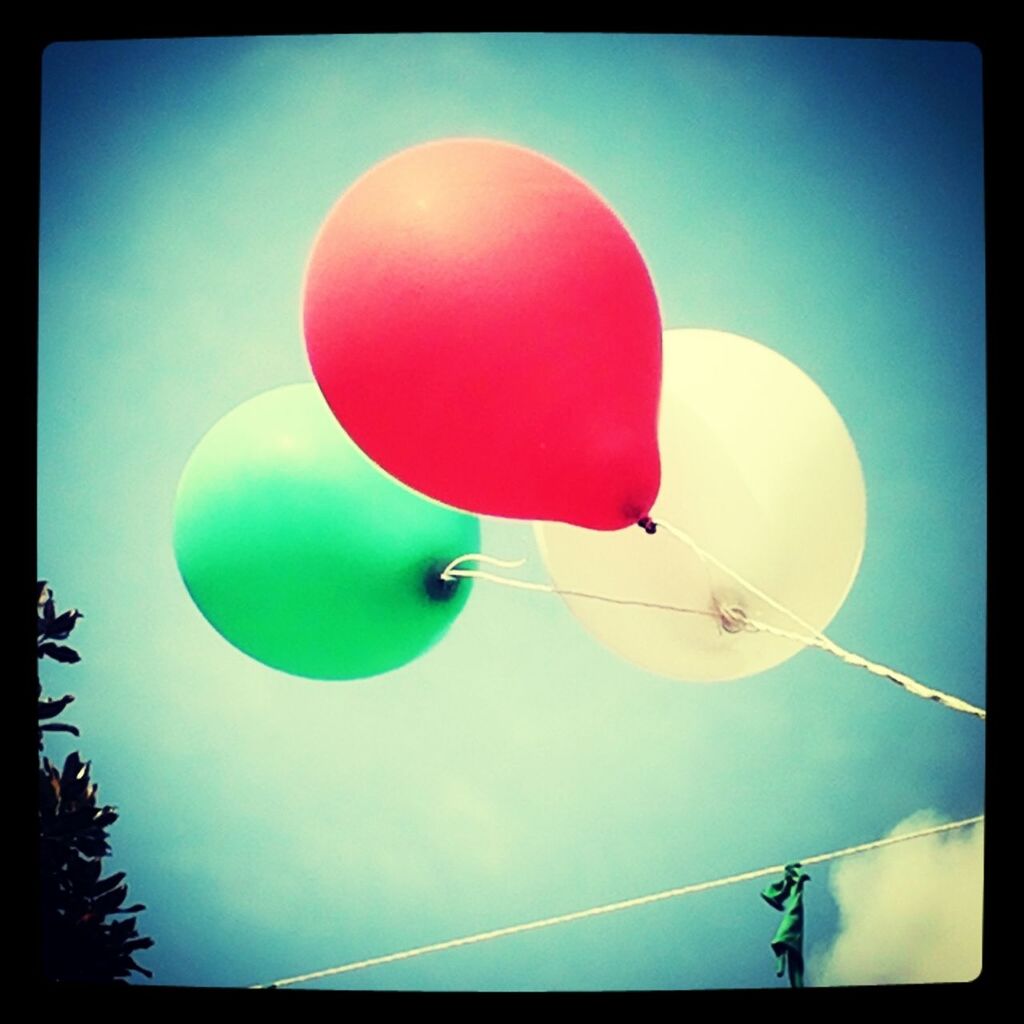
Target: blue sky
(823, 197)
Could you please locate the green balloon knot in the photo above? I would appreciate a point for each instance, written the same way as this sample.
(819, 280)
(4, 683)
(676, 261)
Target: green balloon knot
(438, 588)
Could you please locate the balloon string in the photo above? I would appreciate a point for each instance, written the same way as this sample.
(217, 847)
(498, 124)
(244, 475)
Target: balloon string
(733, 619)
(608, 908)
(704, 555)
(451, 572)
(737, 619)
(908, 684)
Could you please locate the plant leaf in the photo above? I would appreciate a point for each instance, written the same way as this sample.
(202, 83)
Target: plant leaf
(103, 818)
(51, 708)
(59, 652)
(73, 769)
(86, 872)
(108, 883)
(91, 845)
(108, 902)
(60, 727)
(141, 970)
(63, 624)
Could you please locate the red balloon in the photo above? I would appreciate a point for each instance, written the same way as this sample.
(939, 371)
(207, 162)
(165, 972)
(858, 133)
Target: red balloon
(485, 329)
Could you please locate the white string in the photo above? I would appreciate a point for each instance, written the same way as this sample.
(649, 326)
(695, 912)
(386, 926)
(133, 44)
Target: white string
(908, 684)
(609, 908)
(488, 559)
(735, 620)
(732, 618)
(451, 573)
(702, 554)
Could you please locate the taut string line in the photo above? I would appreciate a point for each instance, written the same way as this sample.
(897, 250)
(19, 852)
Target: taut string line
(609, 908)
(737, 620)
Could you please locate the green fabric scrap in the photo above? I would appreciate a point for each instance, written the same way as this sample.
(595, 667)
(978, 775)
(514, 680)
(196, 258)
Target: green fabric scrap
(788, 945)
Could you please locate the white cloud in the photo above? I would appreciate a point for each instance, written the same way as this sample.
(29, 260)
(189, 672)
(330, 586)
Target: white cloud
(909, 913)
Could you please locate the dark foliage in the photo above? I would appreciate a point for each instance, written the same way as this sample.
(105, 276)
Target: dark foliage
(79, 942)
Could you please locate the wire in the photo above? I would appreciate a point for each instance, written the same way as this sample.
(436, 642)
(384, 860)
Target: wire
(609, 908)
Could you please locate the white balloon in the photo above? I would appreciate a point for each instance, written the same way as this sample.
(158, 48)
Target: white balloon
(760, 470)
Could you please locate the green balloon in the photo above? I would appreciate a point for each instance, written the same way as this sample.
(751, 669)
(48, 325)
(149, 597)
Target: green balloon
(305, 555)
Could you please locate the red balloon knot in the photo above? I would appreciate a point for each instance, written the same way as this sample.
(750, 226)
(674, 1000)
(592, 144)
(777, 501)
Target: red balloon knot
(647, 524)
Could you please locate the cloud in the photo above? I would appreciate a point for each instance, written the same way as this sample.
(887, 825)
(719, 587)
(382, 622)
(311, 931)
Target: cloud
(909, 913)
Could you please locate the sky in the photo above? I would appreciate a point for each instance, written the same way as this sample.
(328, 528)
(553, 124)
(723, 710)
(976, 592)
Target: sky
(822, 197)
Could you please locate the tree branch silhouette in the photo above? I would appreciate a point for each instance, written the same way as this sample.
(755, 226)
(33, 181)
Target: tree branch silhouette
(84, 939)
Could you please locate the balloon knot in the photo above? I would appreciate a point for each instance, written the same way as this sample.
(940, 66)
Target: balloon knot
(732, 618)
(438, 584)
(647, 524)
